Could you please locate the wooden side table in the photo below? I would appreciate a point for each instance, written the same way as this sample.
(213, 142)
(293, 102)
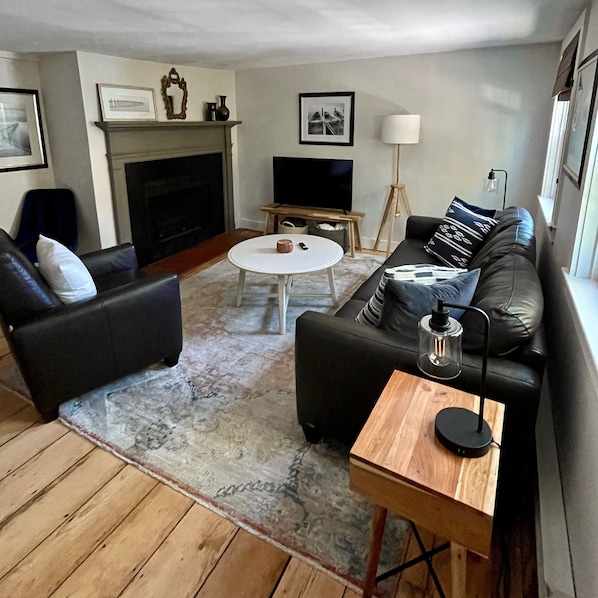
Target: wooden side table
(274, 211)
(400, 466)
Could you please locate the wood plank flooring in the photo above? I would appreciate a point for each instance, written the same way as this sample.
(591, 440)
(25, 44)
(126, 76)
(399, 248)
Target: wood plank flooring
(75, 520)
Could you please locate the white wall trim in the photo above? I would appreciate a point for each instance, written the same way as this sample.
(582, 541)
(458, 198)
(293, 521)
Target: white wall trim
(555, 576)
(582, 297)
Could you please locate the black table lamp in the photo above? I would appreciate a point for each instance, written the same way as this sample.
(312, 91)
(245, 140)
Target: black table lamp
(439, 356)
(492, 184)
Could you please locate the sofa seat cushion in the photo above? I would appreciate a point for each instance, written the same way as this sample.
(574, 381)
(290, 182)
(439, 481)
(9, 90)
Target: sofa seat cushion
(460, 235)
(350, 309)
(406, 303)
(64, 271)
(510, 292)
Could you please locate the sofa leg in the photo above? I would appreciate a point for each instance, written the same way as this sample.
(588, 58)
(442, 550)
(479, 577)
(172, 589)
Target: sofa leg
(171, 361)
(311, 434)
(50, 415)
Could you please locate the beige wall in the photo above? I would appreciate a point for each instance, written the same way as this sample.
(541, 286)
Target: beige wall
(82, 144)
(479, 109)
(21, 72)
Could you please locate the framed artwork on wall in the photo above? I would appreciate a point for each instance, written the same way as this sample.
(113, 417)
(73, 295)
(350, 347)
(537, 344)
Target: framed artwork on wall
(326, 118)
(126, 103)
(21, 134)
(583, 108)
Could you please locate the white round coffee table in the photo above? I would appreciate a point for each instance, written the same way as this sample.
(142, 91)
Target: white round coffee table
(259, 255)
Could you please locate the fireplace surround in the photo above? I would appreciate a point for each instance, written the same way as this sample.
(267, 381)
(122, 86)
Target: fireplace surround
(171, 183)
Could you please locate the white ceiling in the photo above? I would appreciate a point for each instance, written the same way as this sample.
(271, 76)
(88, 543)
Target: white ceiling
(241, 34)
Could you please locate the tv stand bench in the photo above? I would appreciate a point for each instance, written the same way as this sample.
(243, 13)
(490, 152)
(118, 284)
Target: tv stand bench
(274, 211)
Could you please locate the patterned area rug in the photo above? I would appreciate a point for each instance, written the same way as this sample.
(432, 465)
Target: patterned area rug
(221, 426)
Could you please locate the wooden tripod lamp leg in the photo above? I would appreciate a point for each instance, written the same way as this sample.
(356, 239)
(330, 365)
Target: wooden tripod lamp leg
(388, 218)
(405, 199)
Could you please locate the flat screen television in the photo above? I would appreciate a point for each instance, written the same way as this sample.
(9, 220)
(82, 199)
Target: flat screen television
(313, 182)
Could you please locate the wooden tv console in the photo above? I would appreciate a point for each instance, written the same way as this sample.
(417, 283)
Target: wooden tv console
(274, 211)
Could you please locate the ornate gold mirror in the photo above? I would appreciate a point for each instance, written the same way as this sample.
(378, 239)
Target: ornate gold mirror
(174, 94)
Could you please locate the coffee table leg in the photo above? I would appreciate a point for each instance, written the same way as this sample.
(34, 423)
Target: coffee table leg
(458, 570)
(240, 286)
(378, 523)
(283, 300)
(332, 285)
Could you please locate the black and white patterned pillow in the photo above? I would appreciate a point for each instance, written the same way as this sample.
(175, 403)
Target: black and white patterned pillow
(459, 236)
(427, 274)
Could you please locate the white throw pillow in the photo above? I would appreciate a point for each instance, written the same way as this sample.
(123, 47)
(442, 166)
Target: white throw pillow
(64, 271)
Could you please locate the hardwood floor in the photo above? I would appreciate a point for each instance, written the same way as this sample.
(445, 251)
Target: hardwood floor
(75, 520)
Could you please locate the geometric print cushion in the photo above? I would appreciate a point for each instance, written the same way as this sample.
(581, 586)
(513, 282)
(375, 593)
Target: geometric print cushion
(427, 274)
(460, 235)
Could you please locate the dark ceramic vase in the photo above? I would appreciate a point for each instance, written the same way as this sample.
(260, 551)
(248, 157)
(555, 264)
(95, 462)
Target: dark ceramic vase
(222, 112)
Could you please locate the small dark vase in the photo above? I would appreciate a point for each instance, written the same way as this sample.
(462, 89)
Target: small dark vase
(222, 112)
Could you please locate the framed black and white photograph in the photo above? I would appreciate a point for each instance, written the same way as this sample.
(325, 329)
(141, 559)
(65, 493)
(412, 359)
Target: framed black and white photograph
(126, 103)
(21, 135)
(583, 108)
(326, 118)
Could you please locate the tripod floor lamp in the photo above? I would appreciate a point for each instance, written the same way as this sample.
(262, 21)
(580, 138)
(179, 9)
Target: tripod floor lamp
(396, 129)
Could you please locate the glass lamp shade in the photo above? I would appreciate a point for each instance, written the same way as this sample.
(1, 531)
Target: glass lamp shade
(492, 183)
(439, 349)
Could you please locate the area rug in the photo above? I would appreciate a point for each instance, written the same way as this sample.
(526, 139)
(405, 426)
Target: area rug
(221, 426)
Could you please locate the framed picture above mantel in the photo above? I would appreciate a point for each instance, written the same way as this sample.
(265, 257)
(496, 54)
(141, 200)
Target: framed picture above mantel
(126, 103)
(326, 118)
(21, 134)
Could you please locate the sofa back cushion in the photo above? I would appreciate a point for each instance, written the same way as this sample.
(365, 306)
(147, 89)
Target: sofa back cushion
(23, 292)
(514, 233)
(510, 292)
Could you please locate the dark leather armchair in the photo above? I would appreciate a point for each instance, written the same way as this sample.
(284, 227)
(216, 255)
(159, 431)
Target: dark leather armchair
(64, 351)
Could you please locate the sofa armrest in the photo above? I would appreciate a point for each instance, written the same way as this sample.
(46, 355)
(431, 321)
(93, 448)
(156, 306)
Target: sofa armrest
(103, 338)
(341, 368)
(152, 303)
(106, 262)
(421, 227)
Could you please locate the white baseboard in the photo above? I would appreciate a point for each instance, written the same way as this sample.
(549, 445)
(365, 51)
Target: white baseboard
(555, 576)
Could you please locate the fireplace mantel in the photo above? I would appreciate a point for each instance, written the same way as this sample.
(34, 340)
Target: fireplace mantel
(139, 141)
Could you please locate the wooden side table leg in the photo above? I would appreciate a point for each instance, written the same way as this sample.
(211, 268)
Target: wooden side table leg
(357, 235)
(459, 570)
(267, 225)
(378, 523)
(351, 239)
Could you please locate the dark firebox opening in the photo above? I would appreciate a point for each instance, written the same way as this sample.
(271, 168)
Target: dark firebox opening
(174, 204)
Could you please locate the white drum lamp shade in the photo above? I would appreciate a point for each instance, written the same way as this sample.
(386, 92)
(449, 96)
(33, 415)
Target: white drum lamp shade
(400, 128)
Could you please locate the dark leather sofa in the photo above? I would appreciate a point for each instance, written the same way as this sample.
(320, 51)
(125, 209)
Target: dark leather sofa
(342, 366)
(64, 351)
